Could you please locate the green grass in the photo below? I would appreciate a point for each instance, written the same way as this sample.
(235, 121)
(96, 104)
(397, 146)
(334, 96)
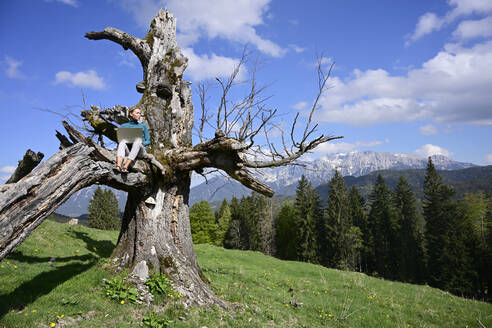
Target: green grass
(264, 291)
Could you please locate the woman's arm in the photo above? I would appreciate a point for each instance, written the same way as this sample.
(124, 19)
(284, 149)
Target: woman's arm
(146, 136)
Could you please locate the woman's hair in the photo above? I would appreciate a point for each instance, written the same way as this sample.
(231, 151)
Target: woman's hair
(133, 109)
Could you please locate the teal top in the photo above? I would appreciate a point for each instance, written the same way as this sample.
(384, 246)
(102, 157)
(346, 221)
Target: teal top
(145, 131)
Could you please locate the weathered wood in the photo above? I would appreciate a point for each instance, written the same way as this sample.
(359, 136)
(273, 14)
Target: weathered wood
(159, 237)
(26, 165)
(140, 47)
(25, 204)
(64, 142)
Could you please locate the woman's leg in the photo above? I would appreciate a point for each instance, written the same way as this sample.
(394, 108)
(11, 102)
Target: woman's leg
(121, 152)
(137, 147)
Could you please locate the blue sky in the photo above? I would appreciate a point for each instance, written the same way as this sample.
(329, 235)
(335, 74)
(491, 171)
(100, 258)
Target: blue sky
(410, 76)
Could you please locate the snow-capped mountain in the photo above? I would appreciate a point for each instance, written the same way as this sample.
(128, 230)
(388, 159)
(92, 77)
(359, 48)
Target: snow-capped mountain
(284, 179)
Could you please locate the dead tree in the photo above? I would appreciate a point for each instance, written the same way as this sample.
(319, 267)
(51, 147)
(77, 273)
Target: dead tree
(155, 236)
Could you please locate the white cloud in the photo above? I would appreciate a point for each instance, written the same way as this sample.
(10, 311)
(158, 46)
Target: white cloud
(201, 67)
(88, 79)
(474, 28)
(72, 3)
(7, 169)
(296, 48)
(127, 58)
(488, 159)
(428, 130)
(429, 150)
(300, 105)
(12, 69)
(230, 20)
(326, 61)
(449, 88)
(341, 147)
(427, 24)
(467, 7)
(430, 22)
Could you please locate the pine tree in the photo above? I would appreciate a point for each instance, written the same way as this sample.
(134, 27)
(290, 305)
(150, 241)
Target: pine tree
(266, 226)
(449, 263)
(477, 211)
(307, 209)
(255, 212)
(103, 210)
(359, 220)
(237, 236)
(223, 222)
(486, 277)
(383, 228)
(286, 233)
(202, 222)
(410, 249)
(343, 239)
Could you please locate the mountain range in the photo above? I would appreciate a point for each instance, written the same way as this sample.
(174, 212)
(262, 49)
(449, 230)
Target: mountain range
(284, 179)
(468, 180)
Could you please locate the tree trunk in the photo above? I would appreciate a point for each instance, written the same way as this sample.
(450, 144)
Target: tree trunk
(157, 238)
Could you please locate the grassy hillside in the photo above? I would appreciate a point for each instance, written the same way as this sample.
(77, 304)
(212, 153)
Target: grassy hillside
(264, 291)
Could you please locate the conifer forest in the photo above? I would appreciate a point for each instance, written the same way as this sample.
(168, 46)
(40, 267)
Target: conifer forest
(439, 240)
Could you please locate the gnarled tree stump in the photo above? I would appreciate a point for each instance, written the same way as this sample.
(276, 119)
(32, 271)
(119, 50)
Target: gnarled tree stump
(154, 237)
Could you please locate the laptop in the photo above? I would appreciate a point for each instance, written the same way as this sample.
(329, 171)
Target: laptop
(129, 134)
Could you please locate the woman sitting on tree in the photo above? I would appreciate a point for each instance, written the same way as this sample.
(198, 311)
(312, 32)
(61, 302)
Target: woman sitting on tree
(135, 149)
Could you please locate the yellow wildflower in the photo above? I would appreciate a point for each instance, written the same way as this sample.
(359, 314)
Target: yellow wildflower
(52, 324)
(122, 302)
(34, 311)
(15, 266)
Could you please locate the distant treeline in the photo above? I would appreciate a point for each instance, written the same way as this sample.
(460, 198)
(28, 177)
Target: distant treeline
(464, 181)
(444, 241)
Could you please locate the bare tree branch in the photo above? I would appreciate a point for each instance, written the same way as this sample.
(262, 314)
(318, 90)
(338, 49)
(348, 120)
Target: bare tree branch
(250, 117)
(26, 165)
(140, 47)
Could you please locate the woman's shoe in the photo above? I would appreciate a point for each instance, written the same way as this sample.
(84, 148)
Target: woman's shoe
(117, 168)
(124, 170)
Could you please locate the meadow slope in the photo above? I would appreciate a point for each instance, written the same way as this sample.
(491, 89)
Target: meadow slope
(55, 279)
